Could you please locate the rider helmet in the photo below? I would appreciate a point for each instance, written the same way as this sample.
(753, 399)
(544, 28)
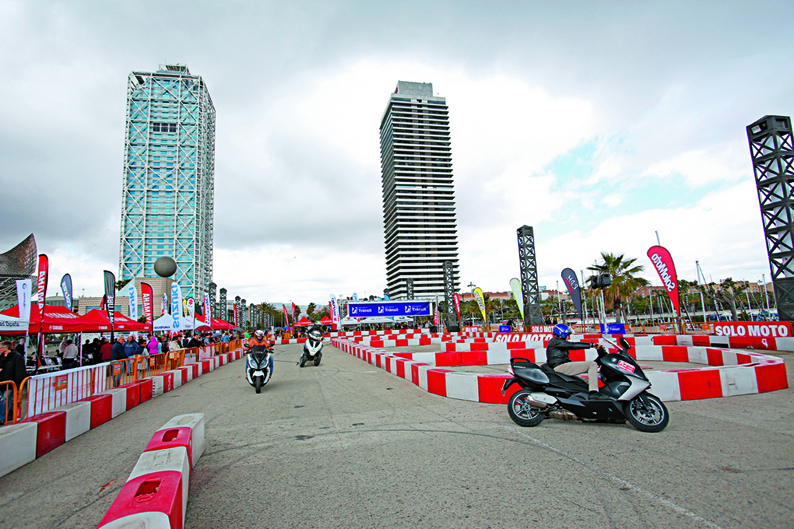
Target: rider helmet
(561, 331)
(259, 334)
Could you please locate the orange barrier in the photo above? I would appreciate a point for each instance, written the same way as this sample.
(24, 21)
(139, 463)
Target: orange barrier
(8, 390)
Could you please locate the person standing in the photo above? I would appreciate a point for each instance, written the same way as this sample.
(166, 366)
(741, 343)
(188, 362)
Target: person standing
(12, 367)
(69, 354)
(105, 348)
(153, 345)
(117, 353)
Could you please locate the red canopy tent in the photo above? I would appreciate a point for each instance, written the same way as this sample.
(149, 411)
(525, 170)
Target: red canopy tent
(326, 321)
(57, 320)
(304, 322)
(217, 325)
(121, 323)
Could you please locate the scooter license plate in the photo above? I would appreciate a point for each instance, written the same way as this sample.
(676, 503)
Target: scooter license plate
(259, 373)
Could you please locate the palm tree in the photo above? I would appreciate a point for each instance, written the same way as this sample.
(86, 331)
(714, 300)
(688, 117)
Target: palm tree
(624, 280)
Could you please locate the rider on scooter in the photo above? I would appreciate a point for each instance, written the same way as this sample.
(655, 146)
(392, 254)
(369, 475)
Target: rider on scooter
(557, 357)
(257, 342)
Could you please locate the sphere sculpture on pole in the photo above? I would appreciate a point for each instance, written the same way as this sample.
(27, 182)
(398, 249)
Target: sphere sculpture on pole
(165, 267)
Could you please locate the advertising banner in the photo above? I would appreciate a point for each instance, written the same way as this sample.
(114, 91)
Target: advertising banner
(286, 316)
(191, 308)
(110, 296)
(24, 295)
(759, 329)
(335, 314)
(235, 315)
(132, 293)
(569, 278)
(456, 299)
(207, 312)
(663, 263)
(435, 313)
(515, 286)
(41, 291)
(392, 308)
(147, 300)
(66, 288)
(164, 309)
(176, 307)
(480, 302)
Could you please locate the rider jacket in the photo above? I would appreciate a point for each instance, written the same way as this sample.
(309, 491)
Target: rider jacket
(257, 345)
(557, 351)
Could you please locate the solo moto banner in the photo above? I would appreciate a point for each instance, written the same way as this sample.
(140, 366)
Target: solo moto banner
(569, 278)
(663, 263)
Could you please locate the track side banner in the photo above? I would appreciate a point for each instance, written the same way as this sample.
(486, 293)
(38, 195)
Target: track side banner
(770, 329)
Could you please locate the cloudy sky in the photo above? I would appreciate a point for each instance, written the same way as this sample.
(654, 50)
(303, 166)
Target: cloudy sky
(597, 123)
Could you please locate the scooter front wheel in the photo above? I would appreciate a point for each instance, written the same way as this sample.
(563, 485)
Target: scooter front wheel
(302, 360)
(522, 411)
(317, 359)
(647, 413)
(258, 384)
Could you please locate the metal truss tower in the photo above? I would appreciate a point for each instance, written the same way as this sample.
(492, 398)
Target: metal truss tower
(772, 152)
(222, 310)
(529, 276)
(453, 325)
(420, 229)
(169, 177)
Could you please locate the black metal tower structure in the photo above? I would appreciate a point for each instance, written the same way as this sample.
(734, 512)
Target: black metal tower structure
(212, 290)
(772, 152)
(529, 276)
(449, 291)
(409, 288)
(222, 311)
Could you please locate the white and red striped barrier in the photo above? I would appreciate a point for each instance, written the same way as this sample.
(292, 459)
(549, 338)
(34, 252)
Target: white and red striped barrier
(729, 373)
(27, 440)
(156, 492)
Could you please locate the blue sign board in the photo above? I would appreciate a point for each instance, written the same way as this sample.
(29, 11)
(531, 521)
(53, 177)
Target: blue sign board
(504, 328)
(613, 328)
(395, 308)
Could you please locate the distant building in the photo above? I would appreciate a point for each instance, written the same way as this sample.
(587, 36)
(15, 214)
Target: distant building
(169, 174)
(420, 229)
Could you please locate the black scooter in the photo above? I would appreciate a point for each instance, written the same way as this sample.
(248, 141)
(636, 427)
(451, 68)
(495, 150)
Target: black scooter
(623, 397)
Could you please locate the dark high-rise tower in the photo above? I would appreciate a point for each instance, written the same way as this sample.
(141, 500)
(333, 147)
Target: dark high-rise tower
(419, 223)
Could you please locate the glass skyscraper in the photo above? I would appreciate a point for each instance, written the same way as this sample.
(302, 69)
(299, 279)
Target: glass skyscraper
(420, 229)
(169, 173)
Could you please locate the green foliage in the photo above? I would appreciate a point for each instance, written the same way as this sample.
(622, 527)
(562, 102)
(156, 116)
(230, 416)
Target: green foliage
(624, 280)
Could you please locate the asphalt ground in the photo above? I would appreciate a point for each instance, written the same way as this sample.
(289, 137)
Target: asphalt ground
(348, 445)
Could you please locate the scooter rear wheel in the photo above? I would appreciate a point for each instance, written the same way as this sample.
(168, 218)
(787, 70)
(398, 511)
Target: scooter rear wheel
(522, 412)
(652, 417)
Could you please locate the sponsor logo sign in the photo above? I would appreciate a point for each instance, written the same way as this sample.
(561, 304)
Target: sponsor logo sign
(777, 329)
(523, 337)
(504, 328)
(395, 308)
(663, 262)
(625, 366)
(60, 382)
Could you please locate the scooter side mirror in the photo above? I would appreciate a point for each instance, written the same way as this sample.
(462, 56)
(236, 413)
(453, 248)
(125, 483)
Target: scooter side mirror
(624, 343)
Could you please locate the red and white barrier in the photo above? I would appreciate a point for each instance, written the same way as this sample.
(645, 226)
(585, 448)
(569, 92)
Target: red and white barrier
(157, 488)
(78, 419)
(25, 441)
(18, 446)
(730, 372)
